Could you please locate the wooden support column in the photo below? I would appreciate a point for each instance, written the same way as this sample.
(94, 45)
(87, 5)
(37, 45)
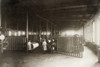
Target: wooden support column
(5, 22)
(47, 30)
(54, 30)
(83, 32)
(51, 29)
(32, 34)
(1, 45)
(27, 32)
(0, 13)
(40, 31)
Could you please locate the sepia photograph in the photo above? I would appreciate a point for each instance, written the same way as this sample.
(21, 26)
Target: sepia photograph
(49, 33)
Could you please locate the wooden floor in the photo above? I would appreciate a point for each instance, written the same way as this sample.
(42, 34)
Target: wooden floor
(21, 59)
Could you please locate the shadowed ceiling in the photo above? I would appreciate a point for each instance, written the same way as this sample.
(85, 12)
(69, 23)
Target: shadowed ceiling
(64, 14)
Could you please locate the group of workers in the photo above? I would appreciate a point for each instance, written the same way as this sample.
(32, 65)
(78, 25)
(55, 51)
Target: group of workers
(49, 45)
(46, 45)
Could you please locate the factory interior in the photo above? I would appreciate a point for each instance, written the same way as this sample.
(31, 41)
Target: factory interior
(49, 33)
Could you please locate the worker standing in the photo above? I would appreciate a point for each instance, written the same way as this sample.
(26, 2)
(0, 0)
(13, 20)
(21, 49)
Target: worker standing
(53, 46)
(44, 44)
(29, 45)
(2, 37)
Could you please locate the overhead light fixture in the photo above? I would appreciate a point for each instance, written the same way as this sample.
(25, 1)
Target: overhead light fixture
(9, 33)
(23, 33)
(19, 33)
(15, 34)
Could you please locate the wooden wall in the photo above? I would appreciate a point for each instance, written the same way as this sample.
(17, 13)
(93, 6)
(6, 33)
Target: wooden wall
(88, 31)
(16, 43)
(70, 46)
(92, 29)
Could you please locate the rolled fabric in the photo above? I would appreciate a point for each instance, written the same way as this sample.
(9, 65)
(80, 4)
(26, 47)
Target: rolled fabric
(35, 45)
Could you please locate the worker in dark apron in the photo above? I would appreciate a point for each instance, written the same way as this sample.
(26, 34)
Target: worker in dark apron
(49, 46)
(53, 46)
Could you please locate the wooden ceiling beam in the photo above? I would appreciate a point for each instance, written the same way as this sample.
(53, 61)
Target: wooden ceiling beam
(70, 7)
(45, 19)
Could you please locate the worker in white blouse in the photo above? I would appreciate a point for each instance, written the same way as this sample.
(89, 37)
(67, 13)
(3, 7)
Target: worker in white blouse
(2, 38)
(29, 45)
(44, 44)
